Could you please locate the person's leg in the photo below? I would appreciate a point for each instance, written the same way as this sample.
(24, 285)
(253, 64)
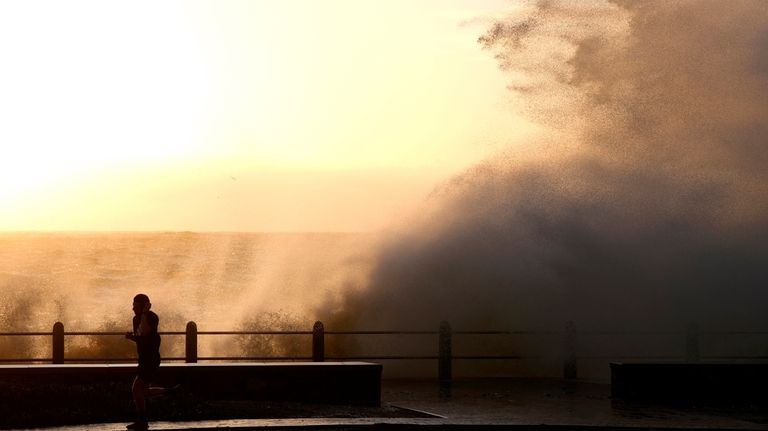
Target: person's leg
(140, 389)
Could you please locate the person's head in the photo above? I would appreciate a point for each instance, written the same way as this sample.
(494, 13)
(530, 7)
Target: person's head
(141, 303)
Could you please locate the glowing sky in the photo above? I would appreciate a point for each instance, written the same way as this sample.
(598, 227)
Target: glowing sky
(241, 115)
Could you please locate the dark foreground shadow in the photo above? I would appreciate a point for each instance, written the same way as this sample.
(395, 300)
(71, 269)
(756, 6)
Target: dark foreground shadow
(58, 405)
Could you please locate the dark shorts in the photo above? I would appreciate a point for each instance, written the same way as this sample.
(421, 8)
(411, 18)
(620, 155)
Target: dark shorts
(147, 370)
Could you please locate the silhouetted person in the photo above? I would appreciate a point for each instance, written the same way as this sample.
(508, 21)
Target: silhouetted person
(147, 340)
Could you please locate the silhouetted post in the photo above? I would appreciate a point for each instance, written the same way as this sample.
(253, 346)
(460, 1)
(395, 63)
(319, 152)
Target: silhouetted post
(692, 352)
(444, 354)
(318, 342)
(58, 343)
(569, 351)
(191, 342)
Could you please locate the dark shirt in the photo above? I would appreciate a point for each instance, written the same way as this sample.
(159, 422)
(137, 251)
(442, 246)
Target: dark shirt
(147, 345)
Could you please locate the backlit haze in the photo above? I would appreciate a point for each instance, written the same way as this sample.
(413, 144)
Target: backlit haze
(241, 115)
(499, 165)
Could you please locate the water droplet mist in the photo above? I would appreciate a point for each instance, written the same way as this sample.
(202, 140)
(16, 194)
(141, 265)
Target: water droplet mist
(643, 206)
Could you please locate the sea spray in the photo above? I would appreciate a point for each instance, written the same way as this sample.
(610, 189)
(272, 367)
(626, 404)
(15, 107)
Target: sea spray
(644, 209)
(221, 281)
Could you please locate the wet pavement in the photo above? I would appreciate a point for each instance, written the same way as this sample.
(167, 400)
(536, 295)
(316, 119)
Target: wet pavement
(498, 404)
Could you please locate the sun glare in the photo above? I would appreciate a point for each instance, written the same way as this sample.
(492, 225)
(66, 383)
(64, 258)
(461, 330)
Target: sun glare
(94, 95)
(87, 84)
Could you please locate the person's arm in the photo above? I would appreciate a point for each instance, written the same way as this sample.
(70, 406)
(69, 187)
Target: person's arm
(145, 328)
(148, 324)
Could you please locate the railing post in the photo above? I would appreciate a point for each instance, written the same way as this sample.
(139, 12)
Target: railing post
(58, 343)
(318, 342)
(444, 354)
(692, 352)
(570, 370)
(191, 342)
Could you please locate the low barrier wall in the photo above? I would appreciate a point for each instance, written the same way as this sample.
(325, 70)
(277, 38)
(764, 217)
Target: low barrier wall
(58, 394)
(690, 383)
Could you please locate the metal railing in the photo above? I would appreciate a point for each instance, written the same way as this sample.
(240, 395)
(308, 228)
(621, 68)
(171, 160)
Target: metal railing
(569, 353)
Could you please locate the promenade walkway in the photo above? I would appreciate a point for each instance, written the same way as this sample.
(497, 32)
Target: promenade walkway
(496, 404)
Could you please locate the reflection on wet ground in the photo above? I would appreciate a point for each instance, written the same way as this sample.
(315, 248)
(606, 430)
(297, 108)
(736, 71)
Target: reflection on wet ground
(499, 404)
(557, 402)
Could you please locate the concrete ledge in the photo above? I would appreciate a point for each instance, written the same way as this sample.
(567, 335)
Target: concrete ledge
(685, 383)
(329, 382)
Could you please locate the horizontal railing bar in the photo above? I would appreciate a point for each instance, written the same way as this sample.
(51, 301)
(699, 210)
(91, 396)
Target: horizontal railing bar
(427, 357)
(670, 333)
(391, 357)
(255, 358)
(31, 334)
(437, 332)
(254, 333)
(85, 333)
(78, 333)
(486, 357)
(734, 357)
(359, 358)
(129, 360)
(424, 357)
(381, 332)
(81, 333)
(669, 358)
(734, 333)
(229, 358)
(630, 333)
(132, 359)
(506, 333)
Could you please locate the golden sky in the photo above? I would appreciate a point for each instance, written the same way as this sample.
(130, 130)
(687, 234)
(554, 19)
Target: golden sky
(241, 115)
